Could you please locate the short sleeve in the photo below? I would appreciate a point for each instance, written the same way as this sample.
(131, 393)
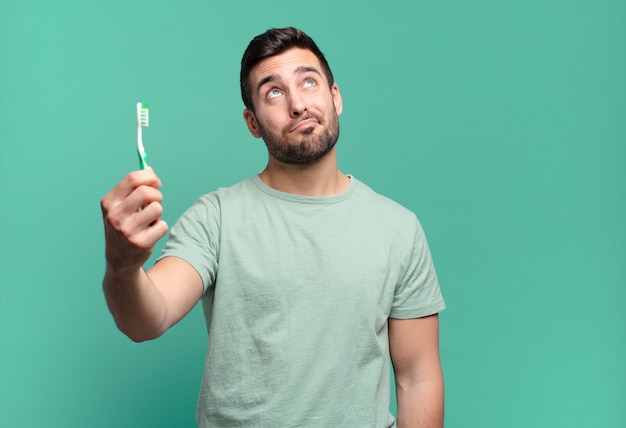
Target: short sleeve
(195, 238)
(417, 293)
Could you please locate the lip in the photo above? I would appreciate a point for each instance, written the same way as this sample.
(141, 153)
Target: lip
(304, 124)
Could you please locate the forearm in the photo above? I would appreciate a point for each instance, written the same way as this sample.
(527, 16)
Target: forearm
(420, 404)
(136, 304)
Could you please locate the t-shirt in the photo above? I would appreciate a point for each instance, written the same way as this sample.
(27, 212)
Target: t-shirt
(298, 291)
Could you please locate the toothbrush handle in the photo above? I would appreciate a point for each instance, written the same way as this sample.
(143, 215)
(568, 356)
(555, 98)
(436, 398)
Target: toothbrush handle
(143, 163)
(143, 157)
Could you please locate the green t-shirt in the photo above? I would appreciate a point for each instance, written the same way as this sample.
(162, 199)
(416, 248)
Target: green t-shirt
(298, 291)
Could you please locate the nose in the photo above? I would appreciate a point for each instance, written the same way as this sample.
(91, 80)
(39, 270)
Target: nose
(297, 105)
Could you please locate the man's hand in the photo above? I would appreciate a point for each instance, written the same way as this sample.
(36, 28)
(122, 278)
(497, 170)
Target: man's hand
(132, 221)
(144, 305)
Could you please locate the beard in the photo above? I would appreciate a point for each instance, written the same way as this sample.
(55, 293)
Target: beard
(309, 149)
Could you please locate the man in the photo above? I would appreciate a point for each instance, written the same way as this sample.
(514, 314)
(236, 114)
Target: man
(308, 279)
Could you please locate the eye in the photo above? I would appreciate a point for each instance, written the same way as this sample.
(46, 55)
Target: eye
(309, 83)
(273, 93)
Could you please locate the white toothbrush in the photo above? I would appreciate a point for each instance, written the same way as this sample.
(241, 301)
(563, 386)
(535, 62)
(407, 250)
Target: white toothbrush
(143, 116)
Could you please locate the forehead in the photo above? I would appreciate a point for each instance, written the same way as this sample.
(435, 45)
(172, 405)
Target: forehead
(284, 64)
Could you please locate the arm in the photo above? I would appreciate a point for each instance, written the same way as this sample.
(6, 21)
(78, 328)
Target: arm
(143, 304)
(414, 349)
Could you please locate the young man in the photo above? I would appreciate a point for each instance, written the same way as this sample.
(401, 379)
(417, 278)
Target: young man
(309, 280)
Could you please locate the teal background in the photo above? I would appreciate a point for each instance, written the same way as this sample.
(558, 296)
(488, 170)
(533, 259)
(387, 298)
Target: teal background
(502, 124)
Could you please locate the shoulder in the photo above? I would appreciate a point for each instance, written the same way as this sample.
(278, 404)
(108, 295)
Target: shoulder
(215, 198)
(380, 205)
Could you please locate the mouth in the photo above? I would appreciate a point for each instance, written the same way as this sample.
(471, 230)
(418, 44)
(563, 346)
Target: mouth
(304, 125)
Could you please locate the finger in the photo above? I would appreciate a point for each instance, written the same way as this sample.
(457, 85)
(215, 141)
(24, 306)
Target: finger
(150, 235)
(141, 197)
(130, 224)
(128, 184)
(145, 238)
(147, 216)
(128, 253)
(140, 231)
(117, 213)
(146, 177)
(123, 224)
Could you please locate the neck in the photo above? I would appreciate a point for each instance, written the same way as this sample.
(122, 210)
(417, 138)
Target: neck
(321, 178)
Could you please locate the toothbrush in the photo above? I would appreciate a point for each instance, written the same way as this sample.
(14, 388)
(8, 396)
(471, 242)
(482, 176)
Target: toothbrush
(143, 111)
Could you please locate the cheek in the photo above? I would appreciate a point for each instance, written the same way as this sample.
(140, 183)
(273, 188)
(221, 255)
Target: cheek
(275, 118)
(325, 104)
(267, 124)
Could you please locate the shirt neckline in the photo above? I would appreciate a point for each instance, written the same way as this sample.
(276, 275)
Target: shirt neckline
(305, 199)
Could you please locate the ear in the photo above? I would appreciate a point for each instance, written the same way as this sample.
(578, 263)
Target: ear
(250, 119)
(337, 101)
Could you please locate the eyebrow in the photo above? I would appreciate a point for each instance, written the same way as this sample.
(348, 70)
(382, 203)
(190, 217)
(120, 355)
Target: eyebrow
(275, 77)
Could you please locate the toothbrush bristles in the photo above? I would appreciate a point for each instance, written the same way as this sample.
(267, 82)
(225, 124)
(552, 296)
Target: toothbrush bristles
(144, 115)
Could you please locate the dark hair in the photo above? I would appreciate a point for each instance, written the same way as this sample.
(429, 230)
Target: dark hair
(274, 42)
